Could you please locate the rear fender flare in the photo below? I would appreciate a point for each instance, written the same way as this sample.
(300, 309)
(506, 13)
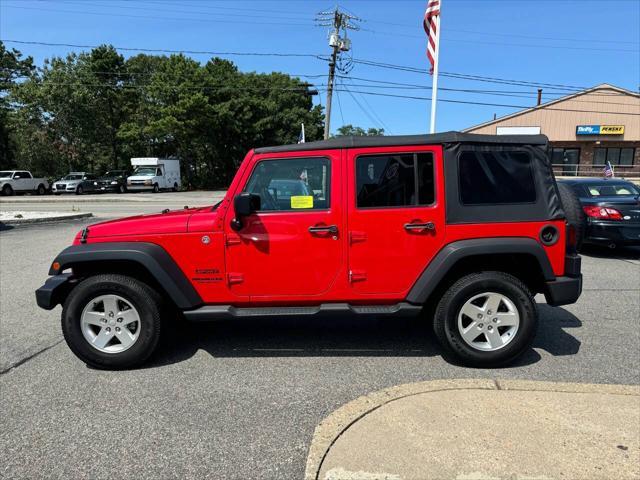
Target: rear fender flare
(446, 259)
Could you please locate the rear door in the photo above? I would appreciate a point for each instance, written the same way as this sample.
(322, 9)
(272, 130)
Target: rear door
(290, 249)
(395, 217)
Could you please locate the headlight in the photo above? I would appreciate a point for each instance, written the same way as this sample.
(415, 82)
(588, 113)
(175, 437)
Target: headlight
(148, 182)
(114, 183)
(95, 183)
(128, 182)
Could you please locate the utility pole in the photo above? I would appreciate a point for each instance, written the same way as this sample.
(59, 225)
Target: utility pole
(339, 43)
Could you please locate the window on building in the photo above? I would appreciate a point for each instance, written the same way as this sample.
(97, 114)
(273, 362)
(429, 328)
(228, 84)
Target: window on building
(565, 156)
(615, 155)
(496, 178)
(395, 180)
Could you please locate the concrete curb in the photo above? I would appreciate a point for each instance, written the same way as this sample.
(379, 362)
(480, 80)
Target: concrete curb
(332, 427)
(25, 221)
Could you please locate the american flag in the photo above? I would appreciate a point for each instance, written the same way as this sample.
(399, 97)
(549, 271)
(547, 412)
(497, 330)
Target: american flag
(608, 169)
(430, 26)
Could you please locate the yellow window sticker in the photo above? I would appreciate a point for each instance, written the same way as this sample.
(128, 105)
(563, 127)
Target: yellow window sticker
(302, 201)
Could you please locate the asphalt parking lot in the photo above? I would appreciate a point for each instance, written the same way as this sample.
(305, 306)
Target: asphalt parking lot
(241, 399)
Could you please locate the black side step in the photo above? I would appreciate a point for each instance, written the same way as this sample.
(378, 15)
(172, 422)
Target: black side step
(223, 312)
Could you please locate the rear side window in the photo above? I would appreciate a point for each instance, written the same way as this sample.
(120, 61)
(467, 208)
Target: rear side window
(394, 180)
(496, 177)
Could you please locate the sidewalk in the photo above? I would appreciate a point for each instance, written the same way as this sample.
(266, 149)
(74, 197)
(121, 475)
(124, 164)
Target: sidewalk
(482, 430)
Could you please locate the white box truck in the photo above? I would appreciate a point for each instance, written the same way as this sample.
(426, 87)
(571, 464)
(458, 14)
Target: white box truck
(154, 174)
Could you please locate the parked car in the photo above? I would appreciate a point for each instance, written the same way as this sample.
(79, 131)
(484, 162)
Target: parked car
(612, 209)
(154, 174)
(14, 181)
(113, 181)
(75, 182)
(460, 229)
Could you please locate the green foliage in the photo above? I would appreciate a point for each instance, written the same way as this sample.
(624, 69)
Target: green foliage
(94, 111)
(348, 130)
(12, 67)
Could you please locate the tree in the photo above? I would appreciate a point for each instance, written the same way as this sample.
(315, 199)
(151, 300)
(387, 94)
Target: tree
(348, 130)
(95, 110)
(12, 67)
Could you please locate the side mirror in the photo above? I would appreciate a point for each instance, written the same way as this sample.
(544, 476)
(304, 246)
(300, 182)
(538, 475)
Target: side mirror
(244, 205)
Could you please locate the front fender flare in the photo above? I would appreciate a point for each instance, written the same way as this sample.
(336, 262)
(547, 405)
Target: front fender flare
(155, 259)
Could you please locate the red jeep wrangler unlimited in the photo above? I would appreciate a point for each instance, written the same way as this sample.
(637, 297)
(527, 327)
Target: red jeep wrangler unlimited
(461, 228)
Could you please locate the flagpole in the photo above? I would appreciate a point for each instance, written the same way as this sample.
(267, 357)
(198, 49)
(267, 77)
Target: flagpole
(436, 64)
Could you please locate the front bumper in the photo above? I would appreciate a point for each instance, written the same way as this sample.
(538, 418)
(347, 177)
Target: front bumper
(613, 232)
(55, 290)
(566, 289)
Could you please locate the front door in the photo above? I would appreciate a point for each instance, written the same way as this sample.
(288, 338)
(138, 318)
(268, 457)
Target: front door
(291, 247)
(395, 217)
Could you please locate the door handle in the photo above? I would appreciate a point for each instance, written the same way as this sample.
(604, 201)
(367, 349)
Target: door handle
(419, 226)
(328, 229)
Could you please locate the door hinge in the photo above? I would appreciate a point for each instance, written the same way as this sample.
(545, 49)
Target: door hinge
(357, 276)
(355, 237)
(235, 278)
(232, 240)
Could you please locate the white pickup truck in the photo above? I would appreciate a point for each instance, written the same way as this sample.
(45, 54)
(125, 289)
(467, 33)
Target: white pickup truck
(14, 181)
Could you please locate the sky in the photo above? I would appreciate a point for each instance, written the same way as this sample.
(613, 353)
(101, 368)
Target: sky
(560, 45)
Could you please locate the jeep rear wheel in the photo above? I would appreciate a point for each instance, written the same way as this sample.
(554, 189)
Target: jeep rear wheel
(112, 321)
(486, 319)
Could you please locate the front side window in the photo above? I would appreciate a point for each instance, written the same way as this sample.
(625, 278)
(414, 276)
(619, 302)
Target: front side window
(398, 180)
(291, 184)
(496, 177)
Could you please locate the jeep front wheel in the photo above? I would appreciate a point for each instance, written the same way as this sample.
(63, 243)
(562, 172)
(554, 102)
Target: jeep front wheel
(486, 319)
(112, 321)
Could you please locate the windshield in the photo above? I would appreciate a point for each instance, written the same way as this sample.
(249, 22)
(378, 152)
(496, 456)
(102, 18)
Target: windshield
(6, 173)
(145, 171)
(612, 189)
(72, 177)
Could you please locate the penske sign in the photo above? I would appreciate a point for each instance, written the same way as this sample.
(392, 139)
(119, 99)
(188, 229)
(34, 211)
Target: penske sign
(600, 130)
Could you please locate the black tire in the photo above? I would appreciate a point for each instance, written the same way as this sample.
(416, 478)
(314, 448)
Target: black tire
(79, 190)
(156, 188)
(574, 212)
(145, 300)
(7, 190)
(40, 190)
(175, 187)
(446, 318)
(122, 189)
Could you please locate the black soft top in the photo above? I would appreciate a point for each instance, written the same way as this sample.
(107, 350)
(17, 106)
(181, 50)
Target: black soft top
(405, 140)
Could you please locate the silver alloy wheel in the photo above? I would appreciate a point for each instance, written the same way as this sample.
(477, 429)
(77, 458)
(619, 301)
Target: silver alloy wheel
(488, 321)
(110, 324)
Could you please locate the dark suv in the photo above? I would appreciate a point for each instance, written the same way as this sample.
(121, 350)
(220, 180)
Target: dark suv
(460, 229)
(113, 181)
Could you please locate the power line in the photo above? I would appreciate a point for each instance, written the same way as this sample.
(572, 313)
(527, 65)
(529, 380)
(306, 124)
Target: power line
(523, 107)
(154, 17)
(373, 112)
(166, 50)
(198, 12)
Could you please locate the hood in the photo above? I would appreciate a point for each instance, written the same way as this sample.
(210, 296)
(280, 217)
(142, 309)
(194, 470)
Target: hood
(170, 222)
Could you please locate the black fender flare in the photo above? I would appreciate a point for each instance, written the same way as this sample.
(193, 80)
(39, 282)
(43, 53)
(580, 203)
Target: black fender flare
(155, 259)
(453, 252)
